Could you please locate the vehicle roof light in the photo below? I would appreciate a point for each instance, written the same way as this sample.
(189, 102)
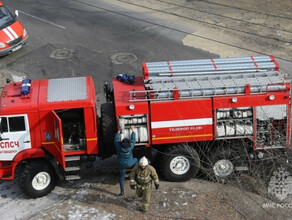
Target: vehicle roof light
(25, 87)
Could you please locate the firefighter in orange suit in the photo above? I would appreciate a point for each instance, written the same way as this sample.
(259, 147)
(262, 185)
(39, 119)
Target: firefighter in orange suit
(141, 178)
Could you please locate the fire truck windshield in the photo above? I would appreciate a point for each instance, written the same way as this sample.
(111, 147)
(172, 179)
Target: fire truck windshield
(6, 18)
(12, 124)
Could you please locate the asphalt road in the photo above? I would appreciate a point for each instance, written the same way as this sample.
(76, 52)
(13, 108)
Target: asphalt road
(91, 37)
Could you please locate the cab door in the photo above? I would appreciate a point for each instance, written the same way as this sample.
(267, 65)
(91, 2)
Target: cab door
(58, 138)
(54, 139)
(14, 136)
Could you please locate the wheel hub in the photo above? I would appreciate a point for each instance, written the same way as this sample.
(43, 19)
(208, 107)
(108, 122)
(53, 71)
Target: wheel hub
(179, 165)
(41, 181)
(223, 168)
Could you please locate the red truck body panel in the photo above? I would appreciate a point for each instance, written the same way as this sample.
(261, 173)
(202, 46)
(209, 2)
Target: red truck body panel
(122, 98)
(181, 121)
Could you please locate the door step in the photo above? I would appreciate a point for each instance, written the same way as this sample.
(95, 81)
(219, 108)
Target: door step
(68, 169)
(72, 158)
(72, 167)
(73, 177)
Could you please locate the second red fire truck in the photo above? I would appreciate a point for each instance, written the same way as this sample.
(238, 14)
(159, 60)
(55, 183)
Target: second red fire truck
(188, 115)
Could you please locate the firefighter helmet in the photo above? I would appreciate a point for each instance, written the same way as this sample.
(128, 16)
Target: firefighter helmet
(143, 162)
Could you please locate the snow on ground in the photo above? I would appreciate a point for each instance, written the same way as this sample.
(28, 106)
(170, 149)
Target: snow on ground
(60, 204)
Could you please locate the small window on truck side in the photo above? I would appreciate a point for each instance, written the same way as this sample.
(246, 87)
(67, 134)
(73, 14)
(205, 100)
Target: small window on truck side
(16, 124)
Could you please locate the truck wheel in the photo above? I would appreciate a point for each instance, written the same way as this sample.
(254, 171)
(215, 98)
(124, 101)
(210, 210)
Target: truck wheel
(37, 179)
(108, 128)
(221, 166)
(180, 163)
(222, 162)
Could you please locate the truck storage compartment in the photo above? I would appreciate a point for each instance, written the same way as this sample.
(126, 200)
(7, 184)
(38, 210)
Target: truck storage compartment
(271, 126)
(234, 122)
(140, 124)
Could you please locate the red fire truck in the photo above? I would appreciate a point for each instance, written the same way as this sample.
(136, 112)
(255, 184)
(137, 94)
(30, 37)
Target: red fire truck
(184, 112)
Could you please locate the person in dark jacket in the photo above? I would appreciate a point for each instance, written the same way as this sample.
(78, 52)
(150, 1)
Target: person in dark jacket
(124, 150)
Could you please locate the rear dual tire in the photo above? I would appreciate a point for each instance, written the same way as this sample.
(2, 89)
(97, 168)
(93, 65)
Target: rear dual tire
(224, 161)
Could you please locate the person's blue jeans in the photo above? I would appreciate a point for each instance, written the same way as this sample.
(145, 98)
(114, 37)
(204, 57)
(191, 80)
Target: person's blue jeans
(122, 171)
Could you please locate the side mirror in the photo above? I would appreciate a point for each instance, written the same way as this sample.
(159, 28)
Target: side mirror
(108, 92)
(1, 130)
(16, 13)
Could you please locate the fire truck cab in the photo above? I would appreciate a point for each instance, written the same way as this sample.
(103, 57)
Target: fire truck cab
(44, 124)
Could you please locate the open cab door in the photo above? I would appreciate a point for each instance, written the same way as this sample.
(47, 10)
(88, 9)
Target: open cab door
(55, 145)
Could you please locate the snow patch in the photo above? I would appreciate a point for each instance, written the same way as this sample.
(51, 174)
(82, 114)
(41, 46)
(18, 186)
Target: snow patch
(80, 212)
(17, 78)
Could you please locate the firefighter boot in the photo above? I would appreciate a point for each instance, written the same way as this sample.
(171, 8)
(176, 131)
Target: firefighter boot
(144, 207)
(122, 191)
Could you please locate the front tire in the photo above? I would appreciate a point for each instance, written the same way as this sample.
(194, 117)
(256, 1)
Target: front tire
(37, 179)
(180, 163)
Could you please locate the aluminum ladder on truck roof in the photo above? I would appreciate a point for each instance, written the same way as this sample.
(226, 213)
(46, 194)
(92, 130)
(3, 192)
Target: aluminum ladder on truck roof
(152, 70)
(198, 86)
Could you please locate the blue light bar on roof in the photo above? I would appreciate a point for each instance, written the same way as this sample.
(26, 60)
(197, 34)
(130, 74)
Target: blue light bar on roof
(25, 86)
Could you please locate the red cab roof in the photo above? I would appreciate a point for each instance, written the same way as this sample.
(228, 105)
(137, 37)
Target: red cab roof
(48, 94)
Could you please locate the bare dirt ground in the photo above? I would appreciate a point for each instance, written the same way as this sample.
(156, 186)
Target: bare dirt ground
(224, 27)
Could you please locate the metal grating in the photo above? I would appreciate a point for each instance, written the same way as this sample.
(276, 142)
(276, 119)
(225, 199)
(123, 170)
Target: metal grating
(67, 89)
